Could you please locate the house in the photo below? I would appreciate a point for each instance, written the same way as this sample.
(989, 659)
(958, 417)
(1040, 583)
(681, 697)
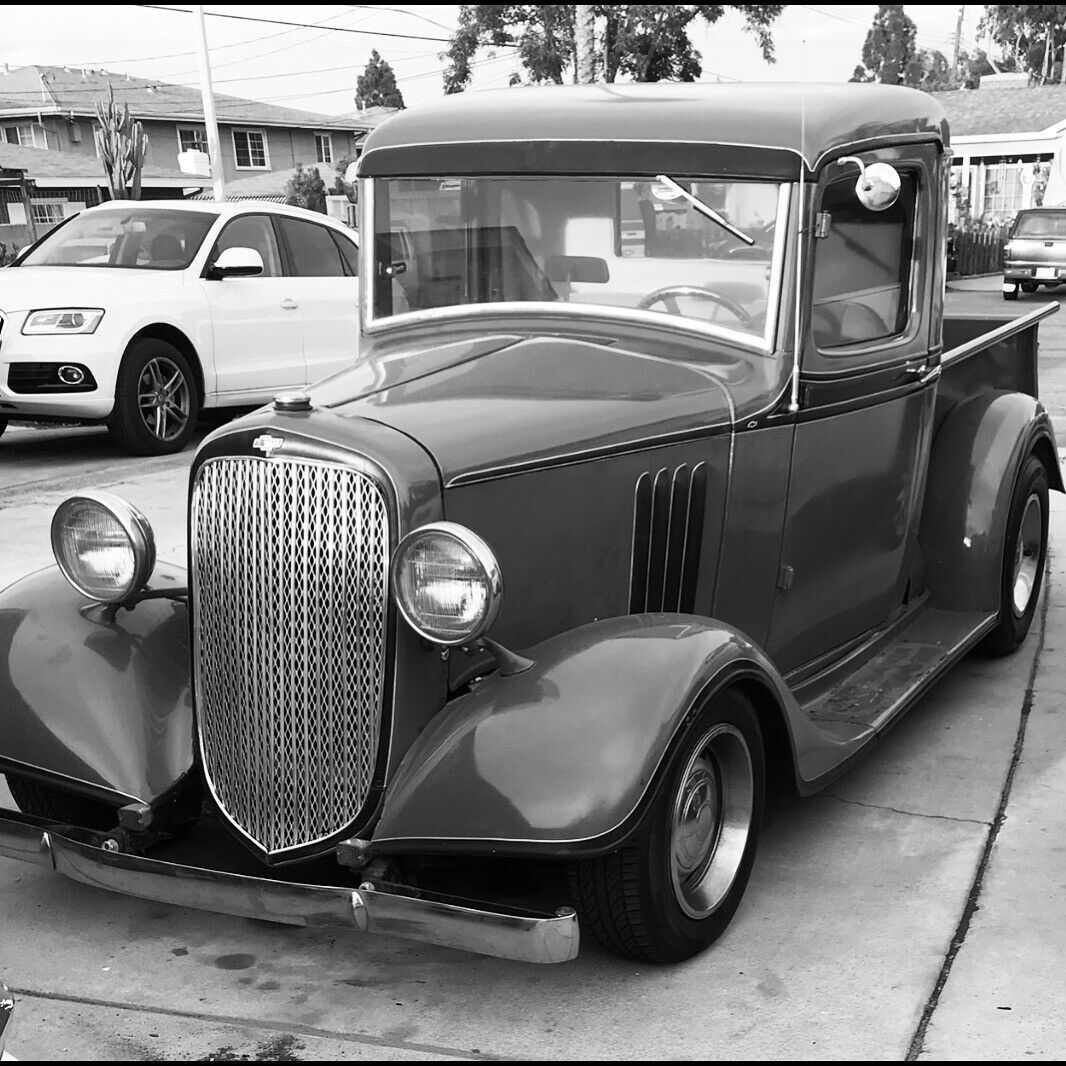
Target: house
(39, 188)
(1004, 135)
(53, 109)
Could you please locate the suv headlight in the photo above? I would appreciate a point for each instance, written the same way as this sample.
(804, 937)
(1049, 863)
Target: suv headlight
(104, 546)
(62, 320)
(447, 583)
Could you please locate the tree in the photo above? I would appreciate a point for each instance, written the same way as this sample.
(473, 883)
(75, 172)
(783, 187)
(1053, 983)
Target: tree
(889, 47)
(930, 70)
(122, 146)
(377, 86)
(1032, 35)
(644, 42)
(306, 189)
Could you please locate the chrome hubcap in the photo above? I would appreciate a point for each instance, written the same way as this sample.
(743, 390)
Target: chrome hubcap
(711, 820)
(164, 398)
(1027, 556)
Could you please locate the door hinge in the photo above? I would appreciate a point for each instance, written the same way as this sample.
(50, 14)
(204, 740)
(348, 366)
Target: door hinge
(784, 578)
(822, 221)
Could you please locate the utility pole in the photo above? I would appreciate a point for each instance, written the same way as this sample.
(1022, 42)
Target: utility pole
(584, 40)
(214, 146)
(958, 42)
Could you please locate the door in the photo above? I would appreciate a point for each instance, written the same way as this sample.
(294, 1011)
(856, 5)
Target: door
(258, 335)
(862, 436)
(325, 266)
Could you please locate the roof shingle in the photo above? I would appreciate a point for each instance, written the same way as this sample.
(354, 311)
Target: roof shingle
(992, 111)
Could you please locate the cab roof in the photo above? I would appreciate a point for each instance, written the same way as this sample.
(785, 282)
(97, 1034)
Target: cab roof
(764, 129)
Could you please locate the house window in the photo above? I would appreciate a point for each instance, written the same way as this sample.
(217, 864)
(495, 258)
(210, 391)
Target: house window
(250, 150)
(48, 212)
(1005, 190)
(192, 138)
(324, 147)
(27, 135)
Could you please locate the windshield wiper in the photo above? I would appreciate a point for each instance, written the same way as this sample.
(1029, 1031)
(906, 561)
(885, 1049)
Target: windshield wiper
(703, 209)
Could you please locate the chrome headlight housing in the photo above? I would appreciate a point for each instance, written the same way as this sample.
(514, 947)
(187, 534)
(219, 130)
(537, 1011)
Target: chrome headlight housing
(104, 546)
(53, 320)
(447, 583)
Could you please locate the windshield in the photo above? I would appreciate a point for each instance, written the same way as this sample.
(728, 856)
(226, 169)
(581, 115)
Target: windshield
(136, 239)
(707, 251)
(1041, 224)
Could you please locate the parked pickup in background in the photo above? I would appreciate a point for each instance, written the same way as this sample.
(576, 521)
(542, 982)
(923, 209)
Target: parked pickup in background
(1035, 253)
(141, 314)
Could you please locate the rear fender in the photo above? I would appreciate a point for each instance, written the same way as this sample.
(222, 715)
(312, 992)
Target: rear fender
(100, 706)
(976, 456)
(561, 758)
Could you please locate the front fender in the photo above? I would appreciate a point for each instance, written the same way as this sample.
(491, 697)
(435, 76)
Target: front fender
(975, 460)
(101, 705)
(557, 760)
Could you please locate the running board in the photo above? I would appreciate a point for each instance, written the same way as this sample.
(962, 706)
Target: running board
(902, 669)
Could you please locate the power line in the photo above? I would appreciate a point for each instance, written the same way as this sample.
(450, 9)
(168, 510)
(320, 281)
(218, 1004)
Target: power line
(300, 25)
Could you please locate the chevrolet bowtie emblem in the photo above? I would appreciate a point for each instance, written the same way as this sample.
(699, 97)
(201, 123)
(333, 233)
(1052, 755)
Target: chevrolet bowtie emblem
(268, 445)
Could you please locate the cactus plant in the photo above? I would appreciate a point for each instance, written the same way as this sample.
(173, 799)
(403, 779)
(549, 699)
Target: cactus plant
(122, 146)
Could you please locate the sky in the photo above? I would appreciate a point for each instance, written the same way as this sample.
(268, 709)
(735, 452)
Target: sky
(314, 69)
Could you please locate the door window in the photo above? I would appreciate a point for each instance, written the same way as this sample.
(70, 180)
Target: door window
(314, 255)
(255, 232)
(862, 268)
(349, 253)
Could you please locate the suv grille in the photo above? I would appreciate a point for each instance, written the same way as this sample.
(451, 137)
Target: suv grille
(290, 593)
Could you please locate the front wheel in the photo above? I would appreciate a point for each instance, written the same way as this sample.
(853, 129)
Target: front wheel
(673, 890)
(156, 403)
(1024, 555)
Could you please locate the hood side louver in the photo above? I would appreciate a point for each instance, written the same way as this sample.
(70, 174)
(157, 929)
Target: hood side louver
(667, 533)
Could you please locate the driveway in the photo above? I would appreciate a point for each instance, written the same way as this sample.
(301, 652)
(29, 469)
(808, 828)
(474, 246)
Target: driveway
(912, 910)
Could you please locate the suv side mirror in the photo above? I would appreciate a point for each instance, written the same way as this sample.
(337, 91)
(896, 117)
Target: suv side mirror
(237, 263)
(878, 185)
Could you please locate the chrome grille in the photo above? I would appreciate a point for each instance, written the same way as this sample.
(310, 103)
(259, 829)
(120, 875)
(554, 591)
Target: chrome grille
(290, 587)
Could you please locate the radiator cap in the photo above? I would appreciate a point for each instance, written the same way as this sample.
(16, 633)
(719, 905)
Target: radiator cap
(292, 401)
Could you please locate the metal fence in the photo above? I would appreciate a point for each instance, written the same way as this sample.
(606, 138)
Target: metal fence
(976, 248)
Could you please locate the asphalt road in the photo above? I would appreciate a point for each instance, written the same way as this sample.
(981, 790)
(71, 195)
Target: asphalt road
(914, 909)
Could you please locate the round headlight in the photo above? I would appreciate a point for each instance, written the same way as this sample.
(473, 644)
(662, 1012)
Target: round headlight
(447, 583)
(104, 546)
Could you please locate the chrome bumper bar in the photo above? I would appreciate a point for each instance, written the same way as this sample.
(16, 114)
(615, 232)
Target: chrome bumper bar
(368, 909)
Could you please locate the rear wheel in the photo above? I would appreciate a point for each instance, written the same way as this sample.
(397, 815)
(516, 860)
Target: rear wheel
(1029, 286)
(45, 801)
(156, 403)
(673, 890)
(1024, 555)
(3, 426)
(1011, 294)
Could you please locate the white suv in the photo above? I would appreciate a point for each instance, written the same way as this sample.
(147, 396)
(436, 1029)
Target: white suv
(139, 314)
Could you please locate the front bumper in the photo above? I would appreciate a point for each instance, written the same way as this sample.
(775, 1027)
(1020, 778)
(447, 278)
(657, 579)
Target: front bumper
(508, 934)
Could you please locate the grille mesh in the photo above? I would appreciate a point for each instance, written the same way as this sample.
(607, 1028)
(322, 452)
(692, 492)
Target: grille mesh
(290, 568)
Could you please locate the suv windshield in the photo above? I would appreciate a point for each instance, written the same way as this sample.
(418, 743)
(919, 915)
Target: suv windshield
(135, 239)
(1041, 224)
(656, 246)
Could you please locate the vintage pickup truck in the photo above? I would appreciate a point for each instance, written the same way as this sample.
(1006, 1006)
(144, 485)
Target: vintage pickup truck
(661, 476)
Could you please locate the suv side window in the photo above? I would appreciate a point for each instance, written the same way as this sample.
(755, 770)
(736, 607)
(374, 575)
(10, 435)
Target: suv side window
(862, 269)
(314, 255)
(349, 253)
(251, 231)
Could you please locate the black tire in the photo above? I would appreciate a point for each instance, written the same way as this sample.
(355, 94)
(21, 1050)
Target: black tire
(629, 899)
(129, 424)
(3, 426)
(1029, 286)
(45, 801)
(1010, 294)
(1013, 625)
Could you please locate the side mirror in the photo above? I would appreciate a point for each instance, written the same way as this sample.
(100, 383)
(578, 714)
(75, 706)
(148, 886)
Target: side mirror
(237, 263)
(351, 173)
(878, 185)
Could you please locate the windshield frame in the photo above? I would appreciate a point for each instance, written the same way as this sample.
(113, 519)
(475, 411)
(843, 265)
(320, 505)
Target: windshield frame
(212, 216)
(765, 344)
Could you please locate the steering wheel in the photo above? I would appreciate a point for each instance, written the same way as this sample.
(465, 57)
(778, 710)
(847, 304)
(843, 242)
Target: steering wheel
(668, 297)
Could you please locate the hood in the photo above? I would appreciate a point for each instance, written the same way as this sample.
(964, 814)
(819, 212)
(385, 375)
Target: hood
(491, 405)
(30, 288)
